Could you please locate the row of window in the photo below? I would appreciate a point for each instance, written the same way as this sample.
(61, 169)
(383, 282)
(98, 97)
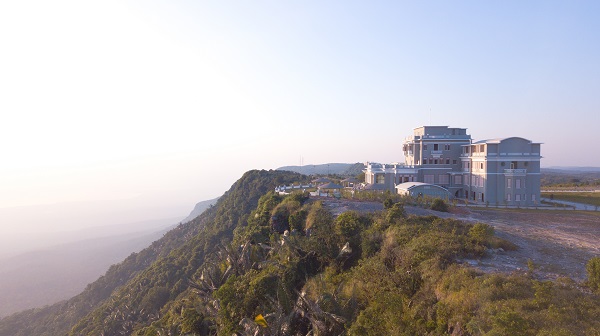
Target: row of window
(438, 161)
(441, 179)
(509, 183)
(380, 179)
(437, 147)
(467, 165)
(444, 179)
(477, 181)
(519, 197)
(474, 149)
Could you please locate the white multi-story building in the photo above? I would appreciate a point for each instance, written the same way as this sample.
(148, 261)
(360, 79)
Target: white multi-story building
(499, 171)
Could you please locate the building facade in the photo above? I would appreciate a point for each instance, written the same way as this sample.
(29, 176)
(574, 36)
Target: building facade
(502, 172)
(498, 171)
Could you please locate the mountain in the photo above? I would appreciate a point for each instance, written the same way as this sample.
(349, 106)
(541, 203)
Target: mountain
(573, 169)
(140, 281)
(199, 209)
(49, 275)
(567, 177)
(258, 263)
(350, 169)
(54, 273)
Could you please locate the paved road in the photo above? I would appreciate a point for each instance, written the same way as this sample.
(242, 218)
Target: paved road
(576, 206)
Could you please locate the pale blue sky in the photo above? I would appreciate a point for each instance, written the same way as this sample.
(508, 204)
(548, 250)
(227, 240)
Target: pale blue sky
(170, 102)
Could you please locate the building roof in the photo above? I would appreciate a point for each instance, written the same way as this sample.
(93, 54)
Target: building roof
(499, 140)
(375, 186)
(331, 185)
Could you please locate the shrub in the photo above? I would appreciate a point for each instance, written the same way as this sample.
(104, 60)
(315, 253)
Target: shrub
(481, 232)
(388, 203)
(439, 205)
(348, 224)
(593, 271)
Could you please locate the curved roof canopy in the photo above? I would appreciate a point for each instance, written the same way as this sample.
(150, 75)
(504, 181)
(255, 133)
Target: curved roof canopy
(408, 186)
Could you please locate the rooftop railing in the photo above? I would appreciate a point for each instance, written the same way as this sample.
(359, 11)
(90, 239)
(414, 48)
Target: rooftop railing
(515, 171)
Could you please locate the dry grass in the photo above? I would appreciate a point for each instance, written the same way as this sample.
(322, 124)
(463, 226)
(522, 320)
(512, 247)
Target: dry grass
(591, 198)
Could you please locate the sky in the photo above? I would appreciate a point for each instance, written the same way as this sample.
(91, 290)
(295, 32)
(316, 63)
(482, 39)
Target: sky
(152, 106)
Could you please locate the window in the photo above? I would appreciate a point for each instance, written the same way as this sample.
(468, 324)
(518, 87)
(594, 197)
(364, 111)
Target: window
(518, 183)
(435, 161)
(443, 179)
(447, 147)
(518, 197)
(447, 161)
(508, 197)
(474, 180)
(435, 146)
(481, 181)
(533, 198)
(482, 148)
(380, 179)
(481, 165)
(428, 179)
(453, 161)
(457, 179)
(509, 183)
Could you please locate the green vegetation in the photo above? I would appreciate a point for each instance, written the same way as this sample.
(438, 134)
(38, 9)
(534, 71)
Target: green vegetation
(438, 204)
(593, 270)
(569, 179)
(261, 264)
(591, 198)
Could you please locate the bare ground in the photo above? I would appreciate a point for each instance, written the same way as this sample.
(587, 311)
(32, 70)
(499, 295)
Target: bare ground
(559, 243)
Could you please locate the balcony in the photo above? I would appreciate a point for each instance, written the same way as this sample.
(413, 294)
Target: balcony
(515, 172)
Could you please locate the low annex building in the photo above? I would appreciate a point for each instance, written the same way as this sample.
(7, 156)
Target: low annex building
(497, 171)
(420, 189)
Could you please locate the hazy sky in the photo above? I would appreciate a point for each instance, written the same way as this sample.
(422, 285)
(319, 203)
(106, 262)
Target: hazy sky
(166, 103)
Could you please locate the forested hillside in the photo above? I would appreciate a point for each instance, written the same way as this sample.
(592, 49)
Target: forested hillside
(262, 264)
(205, 230)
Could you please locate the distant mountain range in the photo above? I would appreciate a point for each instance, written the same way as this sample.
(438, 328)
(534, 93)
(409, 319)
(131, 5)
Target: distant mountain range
(54, 273)
(571, 169)
(350, 169)
(49, 275)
